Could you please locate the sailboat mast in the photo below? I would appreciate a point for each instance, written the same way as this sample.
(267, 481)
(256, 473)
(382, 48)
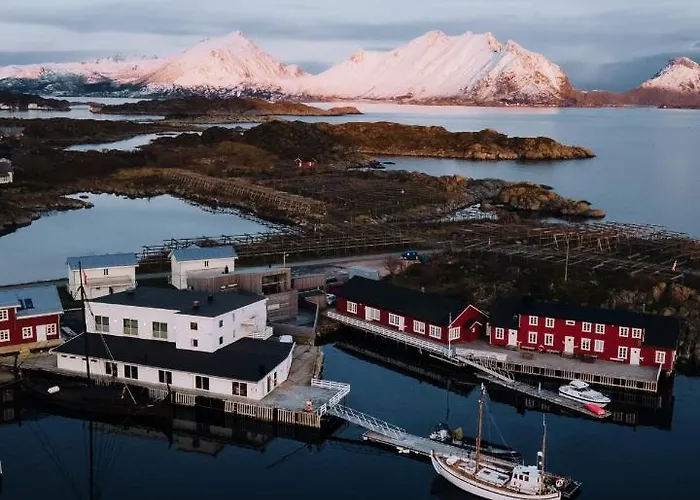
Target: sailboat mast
(478, 435)
(85, 337)
(91, 480)
(544, 446)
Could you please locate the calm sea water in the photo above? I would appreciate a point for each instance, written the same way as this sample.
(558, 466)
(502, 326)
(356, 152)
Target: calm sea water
(79, 112)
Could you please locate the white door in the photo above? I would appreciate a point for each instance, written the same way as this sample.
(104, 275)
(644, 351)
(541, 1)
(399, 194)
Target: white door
(513, 337)
(635, 355)
(569, 345)
(41, 333)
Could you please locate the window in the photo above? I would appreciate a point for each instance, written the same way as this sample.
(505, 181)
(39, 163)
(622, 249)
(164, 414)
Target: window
(636, 333)
(660, 357)
(51, 329)
(549, 322)
(352, 307)
(419, 327)
(239, 389)
(131, 371)
(131, 327)
(455, 333)
(274, 379)
(435, 332)
(599, 328)
(165, 377)
(532, 337)
(624, 331)
(27, 332)
(549, 340)
(194, 325)
(372, 314)
(160, 330)
(102, 324)
(194, 342)
(622, 352)
(500, 334)
(533, 320)
(221, 323)
(221, 340)
(585, 344)
(206, 263)
(105, 272)
(4, 335)
(395, 320)
(201, 383)
(570, 322)
(111, 368)
(586, 327)
(599, 346)
(4, 315)
(26, 304)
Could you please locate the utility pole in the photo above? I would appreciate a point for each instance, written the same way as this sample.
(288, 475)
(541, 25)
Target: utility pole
(566, 265)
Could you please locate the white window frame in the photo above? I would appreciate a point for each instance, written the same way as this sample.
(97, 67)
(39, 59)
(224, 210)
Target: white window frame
(636, 333)
(130, 370)
(622, 352)
(372, 314)
(586, 327)
(585, 344)
(549, 322)
(531, 336)
(600, 328)
(27, 332)
(131, 330)
(202, 382)
(454, 333)
(500, 333)
(159, 333)
(101, 325)
(570, 322)
(352, 307)
(4, 314)
(105, 272)
(533, 320)
(624, 331)
(4, 335)
(51, 329)
(418, 327)
(599, 345)
(395, 320)
(206, 263)
(660, 357)
(435, 332)
(549, 339)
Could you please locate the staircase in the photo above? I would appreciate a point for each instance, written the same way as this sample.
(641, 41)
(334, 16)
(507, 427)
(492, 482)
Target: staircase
(367, 421)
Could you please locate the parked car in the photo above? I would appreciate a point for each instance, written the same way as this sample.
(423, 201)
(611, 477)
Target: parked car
(413, 255)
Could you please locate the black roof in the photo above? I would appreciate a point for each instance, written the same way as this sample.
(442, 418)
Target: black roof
(181, 301)
(432, 308)
(247, 359)
(660, 331)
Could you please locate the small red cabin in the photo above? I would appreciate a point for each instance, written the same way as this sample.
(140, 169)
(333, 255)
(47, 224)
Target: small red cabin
(29, 317)
(305, 164)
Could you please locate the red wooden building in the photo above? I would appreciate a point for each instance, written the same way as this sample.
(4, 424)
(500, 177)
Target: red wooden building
(29, 317)
(433, 317)
(608, 334)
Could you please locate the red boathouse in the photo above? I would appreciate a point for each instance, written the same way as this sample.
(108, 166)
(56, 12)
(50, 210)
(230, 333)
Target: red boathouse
(29, 318)
(434, 317)
(607, 334)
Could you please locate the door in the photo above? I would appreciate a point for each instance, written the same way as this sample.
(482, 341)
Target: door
(513, 337)
(569, 345)
(635, 354)
(41, 333)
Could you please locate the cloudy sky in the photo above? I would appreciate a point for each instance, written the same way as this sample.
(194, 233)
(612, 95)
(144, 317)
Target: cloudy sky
(599, 43)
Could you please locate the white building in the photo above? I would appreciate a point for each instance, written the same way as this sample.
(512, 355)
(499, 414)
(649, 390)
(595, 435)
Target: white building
(102, 274)
(189, 340)
(200, 262)
(6, 171)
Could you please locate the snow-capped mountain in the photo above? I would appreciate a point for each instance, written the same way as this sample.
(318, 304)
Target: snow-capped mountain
(679, 75)
(469, 67)
(110, 68)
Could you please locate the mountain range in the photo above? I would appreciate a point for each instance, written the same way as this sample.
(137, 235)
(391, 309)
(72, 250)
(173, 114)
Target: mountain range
(471, 68)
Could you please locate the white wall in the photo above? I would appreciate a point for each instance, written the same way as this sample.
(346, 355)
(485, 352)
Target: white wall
(181, 380)
(179, 328)
(181, 269)
(98, 284)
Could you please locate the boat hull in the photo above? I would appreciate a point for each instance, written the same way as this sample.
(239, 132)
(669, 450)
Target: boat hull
(488, 449)
(483, 490)
(574, 397)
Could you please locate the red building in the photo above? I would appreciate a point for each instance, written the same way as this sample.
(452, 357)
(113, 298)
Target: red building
(609, 334)
(29, 317)
(434, 317)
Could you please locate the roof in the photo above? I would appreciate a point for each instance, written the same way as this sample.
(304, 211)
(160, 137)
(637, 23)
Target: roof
(247, 359)
(181, 301)
(432, 308)
(204, 253)
(659, 331)
(104, 260)
(32, 301)
(5, 166)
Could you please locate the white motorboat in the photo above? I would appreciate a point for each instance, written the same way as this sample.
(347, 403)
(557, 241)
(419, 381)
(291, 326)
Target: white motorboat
(579, 390)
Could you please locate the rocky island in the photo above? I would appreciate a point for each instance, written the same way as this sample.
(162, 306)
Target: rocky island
(15, 101)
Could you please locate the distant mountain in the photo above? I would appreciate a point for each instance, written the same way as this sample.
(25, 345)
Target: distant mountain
(679, 75)
(474, 68)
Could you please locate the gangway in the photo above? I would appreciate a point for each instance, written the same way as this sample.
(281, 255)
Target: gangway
(367, 421)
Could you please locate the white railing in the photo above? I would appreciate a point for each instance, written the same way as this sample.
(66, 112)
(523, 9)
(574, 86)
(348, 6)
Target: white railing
(417, 342)
(367, 421)
(341, 389)
(264, 335)
(488, 365)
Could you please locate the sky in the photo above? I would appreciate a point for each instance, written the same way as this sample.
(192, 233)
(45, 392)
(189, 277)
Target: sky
(611, 44)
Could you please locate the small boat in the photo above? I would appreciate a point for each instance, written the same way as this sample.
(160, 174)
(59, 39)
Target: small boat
(443, 434)
(579, 390)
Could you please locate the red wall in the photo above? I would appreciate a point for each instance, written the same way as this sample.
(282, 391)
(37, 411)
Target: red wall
(16, 324)
(465, 318)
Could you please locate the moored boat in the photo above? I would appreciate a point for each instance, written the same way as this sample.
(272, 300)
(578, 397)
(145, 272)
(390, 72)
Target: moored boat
(443, 434)
(579, 390)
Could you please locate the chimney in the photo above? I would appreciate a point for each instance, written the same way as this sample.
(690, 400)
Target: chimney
(210, 298)
(195, 304)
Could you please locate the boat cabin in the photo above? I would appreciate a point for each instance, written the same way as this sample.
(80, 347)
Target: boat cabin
(526, 478)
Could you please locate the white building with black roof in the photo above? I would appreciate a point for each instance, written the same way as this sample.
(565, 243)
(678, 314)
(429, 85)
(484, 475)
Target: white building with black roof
(189, 340)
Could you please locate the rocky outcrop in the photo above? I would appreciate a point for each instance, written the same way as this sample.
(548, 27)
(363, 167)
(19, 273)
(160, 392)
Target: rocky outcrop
(23, 102)
(530, 197)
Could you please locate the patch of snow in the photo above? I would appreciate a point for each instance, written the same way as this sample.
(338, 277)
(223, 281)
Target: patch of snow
(680, 74)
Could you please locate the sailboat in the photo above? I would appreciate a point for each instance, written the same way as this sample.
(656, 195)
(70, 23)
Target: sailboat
(486, 479)
(108, 398)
